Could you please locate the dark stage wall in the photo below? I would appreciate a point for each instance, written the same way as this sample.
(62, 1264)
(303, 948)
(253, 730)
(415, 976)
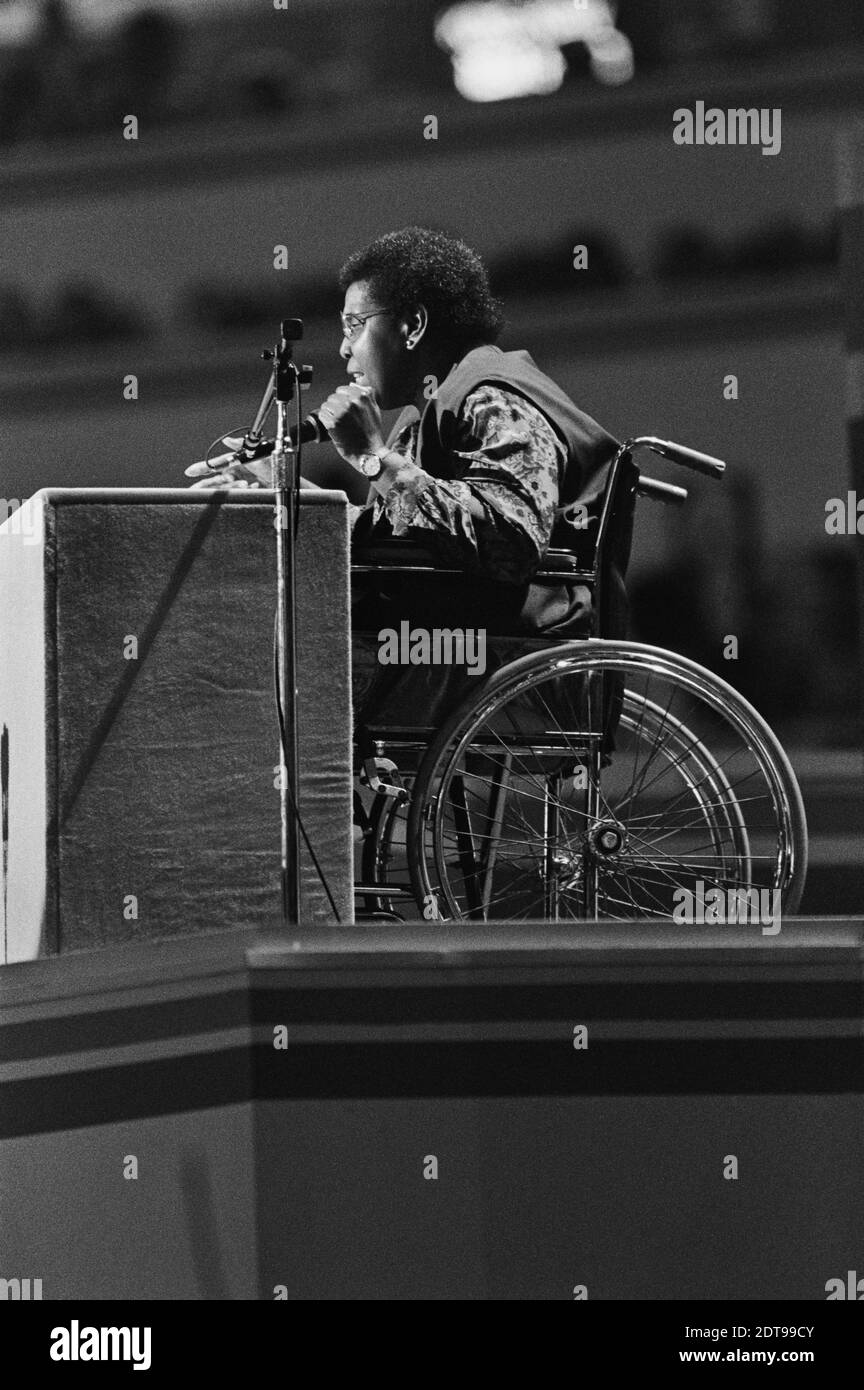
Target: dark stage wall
(429, 1130)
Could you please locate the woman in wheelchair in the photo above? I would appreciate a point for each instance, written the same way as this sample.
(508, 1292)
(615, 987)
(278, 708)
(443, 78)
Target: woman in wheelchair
(488, 464)
(582, 776)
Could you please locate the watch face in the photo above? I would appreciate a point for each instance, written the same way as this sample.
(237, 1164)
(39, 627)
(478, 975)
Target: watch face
(371, 465)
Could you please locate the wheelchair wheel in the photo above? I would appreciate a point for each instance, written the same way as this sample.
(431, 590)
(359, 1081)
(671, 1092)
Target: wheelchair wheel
(604, 780)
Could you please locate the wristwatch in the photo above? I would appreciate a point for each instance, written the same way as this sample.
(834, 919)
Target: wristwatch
(372, 465)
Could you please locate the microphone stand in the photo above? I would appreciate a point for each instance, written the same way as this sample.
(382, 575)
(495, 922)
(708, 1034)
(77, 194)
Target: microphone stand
(286, 380)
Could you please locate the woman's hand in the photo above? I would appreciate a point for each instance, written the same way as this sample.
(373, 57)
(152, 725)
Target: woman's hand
(353, 421)
(220, 472)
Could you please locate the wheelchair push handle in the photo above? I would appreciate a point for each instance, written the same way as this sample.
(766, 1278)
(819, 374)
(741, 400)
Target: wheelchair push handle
(679, 453)
(661, 492)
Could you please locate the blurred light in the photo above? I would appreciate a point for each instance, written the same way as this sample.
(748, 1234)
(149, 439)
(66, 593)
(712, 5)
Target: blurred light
(19, 23)
(504, 48)
(611, 57)
(499, 69)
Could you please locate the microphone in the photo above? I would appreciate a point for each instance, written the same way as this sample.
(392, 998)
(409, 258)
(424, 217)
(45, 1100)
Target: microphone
(311, 431)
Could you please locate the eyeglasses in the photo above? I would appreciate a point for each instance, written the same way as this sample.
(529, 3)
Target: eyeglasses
(352, 323)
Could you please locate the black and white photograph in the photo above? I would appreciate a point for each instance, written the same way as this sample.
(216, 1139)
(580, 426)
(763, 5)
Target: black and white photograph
(431, 699)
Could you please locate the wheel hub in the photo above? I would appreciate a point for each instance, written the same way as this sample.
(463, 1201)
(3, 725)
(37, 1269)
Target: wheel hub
(607, 838)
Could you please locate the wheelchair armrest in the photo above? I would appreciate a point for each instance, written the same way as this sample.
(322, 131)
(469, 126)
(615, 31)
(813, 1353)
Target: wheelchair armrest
(563, 562)
(395, 554)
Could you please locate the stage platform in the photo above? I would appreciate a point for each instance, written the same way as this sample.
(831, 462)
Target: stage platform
(515, 1112)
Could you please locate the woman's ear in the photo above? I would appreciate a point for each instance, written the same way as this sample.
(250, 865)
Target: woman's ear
(415, 326)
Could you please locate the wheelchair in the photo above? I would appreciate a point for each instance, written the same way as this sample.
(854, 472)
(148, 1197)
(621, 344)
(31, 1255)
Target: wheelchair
(588, 780)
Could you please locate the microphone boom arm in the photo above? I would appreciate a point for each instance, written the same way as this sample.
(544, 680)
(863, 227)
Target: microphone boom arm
(251, 447)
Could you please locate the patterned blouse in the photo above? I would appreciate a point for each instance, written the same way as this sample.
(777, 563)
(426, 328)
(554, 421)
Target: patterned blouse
(513, 460)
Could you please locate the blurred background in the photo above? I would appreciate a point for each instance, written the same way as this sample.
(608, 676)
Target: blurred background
(303, 124)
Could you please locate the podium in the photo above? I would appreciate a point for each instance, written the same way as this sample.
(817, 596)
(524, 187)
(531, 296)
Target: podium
(139, 748)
